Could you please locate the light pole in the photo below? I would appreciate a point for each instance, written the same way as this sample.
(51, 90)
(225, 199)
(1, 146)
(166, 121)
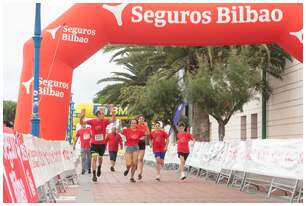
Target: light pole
(37, 40)
(70, 120)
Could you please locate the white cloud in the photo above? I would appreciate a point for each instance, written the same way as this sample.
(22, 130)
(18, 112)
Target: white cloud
(18, 28)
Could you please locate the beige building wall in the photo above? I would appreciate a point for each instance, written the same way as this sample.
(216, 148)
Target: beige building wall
(284, 110)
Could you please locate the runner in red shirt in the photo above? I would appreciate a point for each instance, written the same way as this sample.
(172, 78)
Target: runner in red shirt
(113, 140)
(132, 135)
(160, 143)
(98, 142)
(143, 126)
(183, 147)
(84, 134)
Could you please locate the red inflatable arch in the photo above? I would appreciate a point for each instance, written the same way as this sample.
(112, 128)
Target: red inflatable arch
(86, 28)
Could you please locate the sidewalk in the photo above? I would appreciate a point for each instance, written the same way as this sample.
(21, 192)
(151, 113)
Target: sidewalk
(114, 187)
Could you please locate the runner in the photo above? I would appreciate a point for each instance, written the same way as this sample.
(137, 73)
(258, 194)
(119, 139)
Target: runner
(132, 135)
(85, 135)
(98, 143)
(160, 143)
(113, 140)
(143, 126)
(183, 147)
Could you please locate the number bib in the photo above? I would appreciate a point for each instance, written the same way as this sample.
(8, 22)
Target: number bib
(86, 136)
(99, 137)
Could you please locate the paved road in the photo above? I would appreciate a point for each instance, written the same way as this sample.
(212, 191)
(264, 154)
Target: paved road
(114, 187)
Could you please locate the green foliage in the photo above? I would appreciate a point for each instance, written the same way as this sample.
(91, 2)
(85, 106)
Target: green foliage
(224, 90)
(9, 110)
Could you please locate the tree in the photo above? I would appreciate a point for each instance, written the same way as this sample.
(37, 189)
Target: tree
(223, 91)
(9, 110)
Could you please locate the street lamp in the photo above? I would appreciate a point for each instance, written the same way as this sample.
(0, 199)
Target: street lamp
(37, 40)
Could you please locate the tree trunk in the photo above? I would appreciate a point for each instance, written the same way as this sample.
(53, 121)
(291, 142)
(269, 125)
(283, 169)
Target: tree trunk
(200, 124)
(221, 130)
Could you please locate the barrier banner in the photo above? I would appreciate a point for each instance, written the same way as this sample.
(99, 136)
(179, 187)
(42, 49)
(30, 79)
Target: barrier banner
(48, 158)
(235, 158)
(195, 155)
(272, 157)
(212, 156)
(276, 158)
(19, 184)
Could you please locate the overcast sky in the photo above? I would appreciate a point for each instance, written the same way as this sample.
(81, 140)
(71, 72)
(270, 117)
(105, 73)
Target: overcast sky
(19, 27)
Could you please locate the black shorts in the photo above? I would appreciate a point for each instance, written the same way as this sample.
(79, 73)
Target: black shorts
(113, 156)
(185, 155)
(97, 149)
(142, 144)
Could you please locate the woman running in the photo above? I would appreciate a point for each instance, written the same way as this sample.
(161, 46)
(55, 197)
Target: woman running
(132, 135)
(143, 126)
(183, 147)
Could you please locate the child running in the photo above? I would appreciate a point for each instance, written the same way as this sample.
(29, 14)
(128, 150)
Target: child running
(132, 135)
(183, 147)
(160, 143)
(113, 140)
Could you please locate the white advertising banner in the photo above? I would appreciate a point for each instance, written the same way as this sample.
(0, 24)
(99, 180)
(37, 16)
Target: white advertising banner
(212, 156)
(273, 157)
(276, 158)
(48, 158)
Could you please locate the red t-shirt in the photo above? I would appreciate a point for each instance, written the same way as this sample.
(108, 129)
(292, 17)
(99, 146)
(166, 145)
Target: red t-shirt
(182, 143)
(98, 130)
(159, 140)
(113, 141)
(142, 128)
(84, 134)
(132, 136)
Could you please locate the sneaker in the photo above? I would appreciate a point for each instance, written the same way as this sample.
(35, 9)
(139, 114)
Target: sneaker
(112, 169)
(89, 171)
(83, 171)
(126, 172)
(183, 176)
(94, 177)
(157, 178)
(132, 180)
(99, 171)
(139, 176)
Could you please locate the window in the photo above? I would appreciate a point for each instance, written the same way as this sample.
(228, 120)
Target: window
(243, 130)
(254, 134)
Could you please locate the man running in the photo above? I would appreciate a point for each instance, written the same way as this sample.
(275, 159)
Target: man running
(84, 134)
(183, 147)
(98, 142)
(113, 140)
(160, 141)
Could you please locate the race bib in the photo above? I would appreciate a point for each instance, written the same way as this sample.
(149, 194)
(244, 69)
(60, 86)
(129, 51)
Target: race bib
(86, 136)
(99, 137)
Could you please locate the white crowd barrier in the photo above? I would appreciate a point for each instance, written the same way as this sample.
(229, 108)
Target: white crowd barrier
(272, 157)
(49, 158)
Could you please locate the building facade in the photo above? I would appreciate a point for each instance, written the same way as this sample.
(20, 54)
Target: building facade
(284, 111)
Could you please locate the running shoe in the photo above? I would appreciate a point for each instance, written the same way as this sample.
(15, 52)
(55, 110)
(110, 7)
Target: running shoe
(132, 180)
(112, 169)
(157, 178)
(139, 176)
(83, 171)
(126, 172)
(89, 171)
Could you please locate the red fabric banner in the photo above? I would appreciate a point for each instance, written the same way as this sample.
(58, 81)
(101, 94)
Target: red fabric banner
(18, 181)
